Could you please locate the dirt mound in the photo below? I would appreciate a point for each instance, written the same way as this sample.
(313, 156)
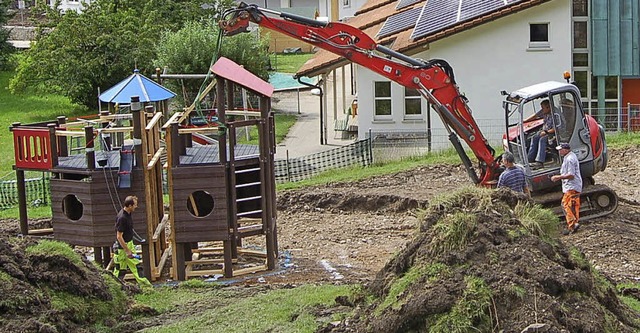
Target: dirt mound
(487, 261)
(46, 287)
(347, 202)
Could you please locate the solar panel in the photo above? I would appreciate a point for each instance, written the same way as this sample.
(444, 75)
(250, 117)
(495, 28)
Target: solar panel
(475, 8)
(406, 3)
(435, 15)
(399, 22)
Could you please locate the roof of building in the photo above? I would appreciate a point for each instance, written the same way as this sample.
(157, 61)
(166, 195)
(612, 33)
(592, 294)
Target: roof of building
(437, 19)
(139, 85)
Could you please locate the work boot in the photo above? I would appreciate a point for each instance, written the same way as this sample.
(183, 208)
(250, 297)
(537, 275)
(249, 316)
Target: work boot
(575, 228)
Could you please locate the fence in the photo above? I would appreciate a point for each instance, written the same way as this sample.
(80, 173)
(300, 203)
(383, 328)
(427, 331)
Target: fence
(621, 119)
(296, 169)
(379, 146)
(393, 145)
(37, 189)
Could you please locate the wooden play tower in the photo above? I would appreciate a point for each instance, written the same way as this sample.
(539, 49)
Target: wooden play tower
(221, 208)
(223, 193)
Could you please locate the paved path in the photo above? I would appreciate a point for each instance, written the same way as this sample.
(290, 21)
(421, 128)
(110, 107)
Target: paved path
(304, 137)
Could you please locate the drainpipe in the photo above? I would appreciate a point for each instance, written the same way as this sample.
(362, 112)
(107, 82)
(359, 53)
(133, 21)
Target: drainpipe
(322, 138)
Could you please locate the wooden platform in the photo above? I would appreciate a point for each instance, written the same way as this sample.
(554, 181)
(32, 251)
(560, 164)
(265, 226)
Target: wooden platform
(79, 161)
(207, 154)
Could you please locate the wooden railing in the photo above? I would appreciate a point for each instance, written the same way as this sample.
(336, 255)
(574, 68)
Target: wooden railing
(33, 148)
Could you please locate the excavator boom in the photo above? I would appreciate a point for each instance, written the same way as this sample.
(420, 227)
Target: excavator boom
(434, 79)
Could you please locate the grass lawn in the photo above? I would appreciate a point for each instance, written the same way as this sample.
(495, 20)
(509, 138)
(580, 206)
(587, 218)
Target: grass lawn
(288, 63)
(26, 109)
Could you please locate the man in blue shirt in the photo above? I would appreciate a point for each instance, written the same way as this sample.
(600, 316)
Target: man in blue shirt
(571, 186)
(512, 177)
(537, 150)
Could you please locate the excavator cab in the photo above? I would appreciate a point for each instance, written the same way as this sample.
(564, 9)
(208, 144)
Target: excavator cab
(538, 118)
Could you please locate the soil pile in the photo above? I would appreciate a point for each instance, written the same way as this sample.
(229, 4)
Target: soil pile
(46, 287)
(490, 261)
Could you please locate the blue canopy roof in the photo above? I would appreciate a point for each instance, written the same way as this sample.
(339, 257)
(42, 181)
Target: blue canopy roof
(136, 85)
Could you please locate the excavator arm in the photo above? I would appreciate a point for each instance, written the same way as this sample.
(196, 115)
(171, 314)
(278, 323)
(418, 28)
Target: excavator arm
(434, 79)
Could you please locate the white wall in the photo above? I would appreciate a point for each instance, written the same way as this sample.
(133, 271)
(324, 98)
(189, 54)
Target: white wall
(76, 5)
(349, 9)
(487, 59)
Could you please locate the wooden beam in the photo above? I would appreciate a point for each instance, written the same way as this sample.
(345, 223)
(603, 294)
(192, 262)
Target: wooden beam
(155, 159)
(204, 272)
(163, 260)
(152, 123)
(45, 231)
(161, 227)
(243, 113)
(70, 133)
(117, 130)
(198, 130)
(171, 120)
(249, 270)
(191, 107)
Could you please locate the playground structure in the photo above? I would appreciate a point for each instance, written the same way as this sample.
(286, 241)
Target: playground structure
(219, 194)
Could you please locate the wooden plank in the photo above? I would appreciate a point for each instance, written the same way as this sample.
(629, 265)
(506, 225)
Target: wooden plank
(70, 133)
(152, 123)
(191, 107)
(117, 130)
(38, 232)
(163, 260)
(255, 253)
(155, 159)
(190, 273)
(161, 226)
(190, 237)
(205, 262)
(249, 270)
(201, 130)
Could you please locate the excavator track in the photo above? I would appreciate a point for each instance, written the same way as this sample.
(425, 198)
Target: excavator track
(595, 201)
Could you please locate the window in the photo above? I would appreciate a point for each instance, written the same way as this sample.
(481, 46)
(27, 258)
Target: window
(412, 104)
(580, 59)
(346, 3)
(580, 7)
(580, 35)
(610, 87)
(382, 97)
(539, 35)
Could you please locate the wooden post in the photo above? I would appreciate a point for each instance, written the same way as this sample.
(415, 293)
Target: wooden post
(267, 152)
(137, 129)
(89, 147)
(233, 207)
(22, 202)
(97, 255)
(230, 92)
(105, 139)
(175, 146)
(179, 269)
(63, 147)
(53, 145)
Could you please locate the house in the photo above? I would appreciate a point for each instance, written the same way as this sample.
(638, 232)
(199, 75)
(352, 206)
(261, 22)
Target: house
(331, 10)
(65, 5)
(493, 45)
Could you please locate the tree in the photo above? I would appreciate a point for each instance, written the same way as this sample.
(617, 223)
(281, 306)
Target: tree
(6, 49)
(192, 49)
(95, 49)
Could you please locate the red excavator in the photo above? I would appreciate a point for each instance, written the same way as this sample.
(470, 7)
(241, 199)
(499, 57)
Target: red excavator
(435, 81)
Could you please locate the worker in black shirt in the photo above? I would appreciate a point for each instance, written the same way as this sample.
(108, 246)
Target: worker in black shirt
(125, 257)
